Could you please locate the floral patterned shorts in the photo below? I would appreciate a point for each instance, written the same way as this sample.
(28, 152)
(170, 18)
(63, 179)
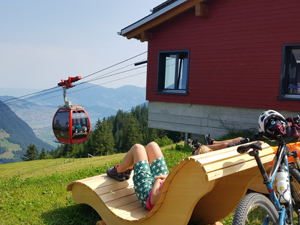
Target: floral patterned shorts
(144, 175)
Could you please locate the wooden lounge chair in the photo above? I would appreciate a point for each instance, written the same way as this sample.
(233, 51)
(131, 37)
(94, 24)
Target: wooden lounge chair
(205, 188)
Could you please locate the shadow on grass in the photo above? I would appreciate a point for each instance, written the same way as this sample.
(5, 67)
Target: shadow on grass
(75, 214)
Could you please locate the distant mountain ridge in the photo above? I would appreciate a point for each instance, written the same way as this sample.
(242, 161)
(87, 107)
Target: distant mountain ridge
(97, 100)
(20, 132)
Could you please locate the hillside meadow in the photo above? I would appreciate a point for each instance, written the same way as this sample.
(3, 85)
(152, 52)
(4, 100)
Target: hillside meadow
(10, 146)
(39, 196)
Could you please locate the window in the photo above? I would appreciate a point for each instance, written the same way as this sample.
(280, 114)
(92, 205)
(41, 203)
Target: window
(290, 72)
(173, 70)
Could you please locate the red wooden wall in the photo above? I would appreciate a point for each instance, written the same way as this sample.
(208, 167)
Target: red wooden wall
(236, 53)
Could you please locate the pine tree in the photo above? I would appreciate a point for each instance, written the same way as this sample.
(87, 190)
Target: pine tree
(103, 142)
(32, 153)
(132, 134)
(43, 154)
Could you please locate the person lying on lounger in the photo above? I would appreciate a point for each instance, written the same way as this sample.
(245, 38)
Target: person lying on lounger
(150, 169)
(150, 172)
(212, 145)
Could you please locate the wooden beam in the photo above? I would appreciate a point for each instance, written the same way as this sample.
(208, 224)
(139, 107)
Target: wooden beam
(201, 10)
(168, 15)
(146, 35)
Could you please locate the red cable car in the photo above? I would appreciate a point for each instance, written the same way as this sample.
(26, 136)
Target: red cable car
(71, 123)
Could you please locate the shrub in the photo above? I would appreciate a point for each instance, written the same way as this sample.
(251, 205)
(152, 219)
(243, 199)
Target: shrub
(163, 141)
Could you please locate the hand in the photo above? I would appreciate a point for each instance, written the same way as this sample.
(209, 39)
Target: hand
(161, 176)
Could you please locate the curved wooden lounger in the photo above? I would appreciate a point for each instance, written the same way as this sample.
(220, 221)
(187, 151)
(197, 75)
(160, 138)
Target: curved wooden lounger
(205, 187)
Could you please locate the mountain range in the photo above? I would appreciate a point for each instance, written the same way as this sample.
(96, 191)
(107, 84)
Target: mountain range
(16, 135)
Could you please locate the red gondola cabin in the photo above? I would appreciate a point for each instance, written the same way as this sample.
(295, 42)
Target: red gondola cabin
(71, 126)
(71, 123)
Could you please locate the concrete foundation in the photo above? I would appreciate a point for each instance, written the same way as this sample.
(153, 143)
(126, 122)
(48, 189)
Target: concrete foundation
(198, 120)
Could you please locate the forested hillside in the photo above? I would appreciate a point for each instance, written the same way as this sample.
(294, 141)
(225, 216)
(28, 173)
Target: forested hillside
(117, 134)
(19, 133)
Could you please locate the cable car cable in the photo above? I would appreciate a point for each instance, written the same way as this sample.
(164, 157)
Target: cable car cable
(14, 99)
(95, 85)
(114, 65)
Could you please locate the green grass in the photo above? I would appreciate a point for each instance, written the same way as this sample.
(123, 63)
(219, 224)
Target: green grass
(10, 146)
(39, 195)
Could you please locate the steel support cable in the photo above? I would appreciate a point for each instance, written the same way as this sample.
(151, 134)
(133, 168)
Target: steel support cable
(38, 92)
(103, 76)
(114, 65)
(11, 103)
(95, 85)
(23, 96)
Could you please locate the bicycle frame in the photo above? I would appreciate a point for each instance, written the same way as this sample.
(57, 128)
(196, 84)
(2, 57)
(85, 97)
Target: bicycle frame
(281, 158)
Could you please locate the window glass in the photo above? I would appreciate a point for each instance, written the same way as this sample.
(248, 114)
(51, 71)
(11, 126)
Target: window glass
(183, 73)
(170, 72)
(80, 124)
(290, 72)
(293, 71)
(173, 70)
(61, 124)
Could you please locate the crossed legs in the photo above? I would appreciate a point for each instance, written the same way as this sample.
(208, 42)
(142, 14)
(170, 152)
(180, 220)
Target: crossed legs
(217, 145)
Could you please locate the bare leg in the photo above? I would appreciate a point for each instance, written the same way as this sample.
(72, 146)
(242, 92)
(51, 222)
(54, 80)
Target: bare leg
(153, 151)
(234, 141)
(217, 145)
(136, 154)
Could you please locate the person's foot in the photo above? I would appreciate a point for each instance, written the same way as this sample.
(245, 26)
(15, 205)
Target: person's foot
(127, 173)
(244, 141)
(113, 173)
(208, 140)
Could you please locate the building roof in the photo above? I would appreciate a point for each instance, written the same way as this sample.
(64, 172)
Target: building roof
(159, 14)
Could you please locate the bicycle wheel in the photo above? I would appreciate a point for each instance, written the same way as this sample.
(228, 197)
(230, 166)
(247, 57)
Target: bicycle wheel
(295, 187)
(253, 209)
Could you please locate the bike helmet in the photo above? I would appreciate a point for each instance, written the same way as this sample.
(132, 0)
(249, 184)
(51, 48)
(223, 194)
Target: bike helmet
(267, 118)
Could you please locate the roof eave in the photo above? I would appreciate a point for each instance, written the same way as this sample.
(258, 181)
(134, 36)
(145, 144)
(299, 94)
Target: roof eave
(150, 17)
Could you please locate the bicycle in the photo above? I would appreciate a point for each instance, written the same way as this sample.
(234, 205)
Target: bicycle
(278, 210)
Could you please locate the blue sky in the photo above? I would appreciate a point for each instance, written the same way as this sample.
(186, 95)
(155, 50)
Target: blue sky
(42, 42)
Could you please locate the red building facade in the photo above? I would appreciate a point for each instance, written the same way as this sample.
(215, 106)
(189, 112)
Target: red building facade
(242, 55)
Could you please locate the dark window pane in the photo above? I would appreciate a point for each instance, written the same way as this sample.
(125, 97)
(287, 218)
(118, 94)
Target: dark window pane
(61, 124)
(81, 125)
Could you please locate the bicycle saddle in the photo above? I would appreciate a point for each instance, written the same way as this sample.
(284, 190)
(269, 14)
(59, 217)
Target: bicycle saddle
(244, 148)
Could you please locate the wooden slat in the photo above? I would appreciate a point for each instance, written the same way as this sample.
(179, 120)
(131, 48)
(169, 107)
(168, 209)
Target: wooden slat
(99, 177)
(99, 181)
(135, 214)
(113, 195)
(126, 208)
(122, 201)
(113, 187)
(227, 162)
(239, 167)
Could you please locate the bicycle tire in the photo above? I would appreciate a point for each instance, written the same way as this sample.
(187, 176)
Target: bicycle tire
(295, 186)
(255, 201)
